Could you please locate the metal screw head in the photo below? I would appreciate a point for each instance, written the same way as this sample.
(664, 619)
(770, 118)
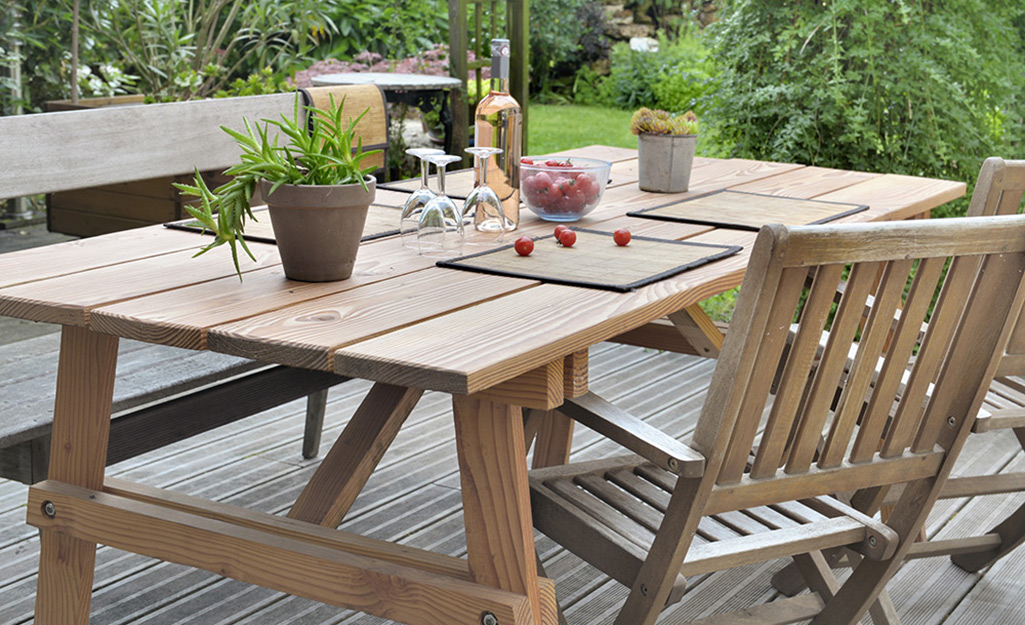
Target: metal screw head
(644, 590)
(488, 619)
(872, 541)
(673, 464)
(49, 509)
(951, 421)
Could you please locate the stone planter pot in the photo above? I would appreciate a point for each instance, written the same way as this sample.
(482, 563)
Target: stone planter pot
(665, 162)
(318, 228)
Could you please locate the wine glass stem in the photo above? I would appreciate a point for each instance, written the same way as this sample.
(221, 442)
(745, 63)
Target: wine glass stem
(484, 169)
(441, 178)
(424, 168)
(478, 173)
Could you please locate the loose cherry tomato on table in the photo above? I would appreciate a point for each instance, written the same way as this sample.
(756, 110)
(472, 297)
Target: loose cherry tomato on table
(621, 236)
(524, 246)
(567, 237)
(559, 230)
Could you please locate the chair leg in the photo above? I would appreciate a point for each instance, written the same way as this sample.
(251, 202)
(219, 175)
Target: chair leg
(316, 406)
(1011, 531)
(541, 573)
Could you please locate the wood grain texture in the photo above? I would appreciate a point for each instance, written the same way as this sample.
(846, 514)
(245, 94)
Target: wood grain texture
(496, 505)
(554, 440)
(808, 183)
(270, 559)
(183, 316)
(893, 197)
(575, 374)
(78, 453)
(542, 388)
(116, 144)
(345, 470)
(68, 299)
(440, 354)
(747, 210)
(305, 335)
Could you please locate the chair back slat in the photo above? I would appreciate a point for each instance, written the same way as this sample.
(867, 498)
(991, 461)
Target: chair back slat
(778, 437)
(907, 419)
(999, 191)
(788, 294)
(969, 312)
(831, 367)
(874, 340)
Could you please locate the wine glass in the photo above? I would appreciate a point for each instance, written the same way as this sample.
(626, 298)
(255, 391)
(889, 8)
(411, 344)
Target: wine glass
(482, 209)
(410, 216)
(440, 229)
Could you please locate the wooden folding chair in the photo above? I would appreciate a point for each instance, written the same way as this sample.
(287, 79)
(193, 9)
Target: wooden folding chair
(688, 509)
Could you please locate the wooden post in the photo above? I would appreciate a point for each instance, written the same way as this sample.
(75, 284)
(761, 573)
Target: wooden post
(518, 31)
(78, 455)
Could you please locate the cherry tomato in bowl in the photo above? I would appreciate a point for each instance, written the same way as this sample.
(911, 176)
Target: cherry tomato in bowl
(562, 189)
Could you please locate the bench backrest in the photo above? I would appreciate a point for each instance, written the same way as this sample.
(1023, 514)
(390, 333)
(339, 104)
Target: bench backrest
(66, 150)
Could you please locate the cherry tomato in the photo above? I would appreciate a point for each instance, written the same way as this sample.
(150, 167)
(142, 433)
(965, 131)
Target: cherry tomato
(526, 161)
(524, 246)
(568, 238)
(553, 163)
(559, 230)
(621, 236)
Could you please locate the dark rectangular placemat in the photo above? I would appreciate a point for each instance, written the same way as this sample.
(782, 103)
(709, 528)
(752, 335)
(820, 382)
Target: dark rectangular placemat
(381, 222)
(458, 184)
(595, 261)
(749, 211)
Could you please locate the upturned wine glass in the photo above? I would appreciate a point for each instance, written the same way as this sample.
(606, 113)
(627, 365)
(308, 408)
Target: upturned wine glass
(483, 210)
(440, 229)
(410, 216)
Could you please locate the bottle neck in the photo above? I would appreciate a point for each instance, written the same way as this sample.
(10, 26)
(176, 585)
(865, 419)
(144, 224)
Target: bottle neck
(500, 84)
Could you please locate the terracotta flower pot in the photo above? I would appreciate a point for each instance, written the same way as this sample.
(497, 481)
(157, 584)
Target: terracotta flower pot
(318, 228)
(665, 161)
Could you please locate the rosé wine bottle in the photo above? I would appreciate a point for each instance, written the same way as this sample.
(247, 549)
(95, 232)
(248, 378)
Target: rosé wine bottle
(499, 124)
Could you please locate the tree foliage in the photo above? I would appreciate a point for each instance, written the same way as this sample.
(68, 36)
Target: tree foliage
(923, 88)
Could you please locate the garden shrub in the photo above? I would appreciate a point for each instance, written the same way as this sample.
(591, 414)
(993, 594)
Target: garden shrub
(921, 88)
(390, 28)
(564, 35)
(674, 78)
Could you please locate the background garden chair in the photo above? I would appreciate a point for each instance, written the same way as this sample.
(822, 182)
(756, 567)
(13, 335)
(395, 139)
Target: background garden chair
(689, 509)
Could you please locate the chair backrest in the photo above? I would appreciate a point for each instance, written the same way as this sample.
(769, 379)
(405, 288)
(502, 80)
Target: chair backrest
(932, 385)
(999, 191)
(74, 149)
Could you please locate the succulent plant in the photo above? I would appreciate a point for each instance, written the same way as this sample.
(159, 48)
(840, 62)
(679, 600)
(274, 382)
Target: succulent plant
(657, 122)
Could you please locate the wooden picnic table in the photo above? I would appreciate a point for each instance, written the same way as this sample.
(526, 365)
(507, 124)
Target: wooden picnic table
(495, 343)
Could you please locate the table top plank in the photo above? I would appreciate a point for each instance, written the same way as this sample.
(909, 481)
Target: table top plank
(68, 299)
(181, 317)
(472, 349)
(305, 335)
(893, 196)
(807, 183)
(84, 254)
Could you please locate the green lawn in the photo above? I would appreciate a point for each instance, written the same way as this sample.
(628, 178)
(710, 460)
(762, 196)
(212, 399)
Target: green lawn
(552, 128)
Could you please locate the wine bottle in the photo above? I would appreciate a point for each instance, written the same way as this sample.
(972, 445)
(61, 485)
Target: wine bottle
(498, 123)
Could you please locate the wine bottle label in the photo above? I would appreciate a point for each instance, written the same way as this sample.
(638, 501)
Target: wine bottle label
(500, 58)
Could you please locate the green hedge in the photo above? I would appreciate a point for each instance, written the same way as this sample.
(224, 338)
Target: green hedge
(924, 88)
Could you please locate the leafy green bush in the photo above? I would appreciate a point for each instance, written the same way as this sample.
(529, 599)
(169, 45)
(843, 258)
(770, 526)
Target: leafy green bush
(564, 35)
(917, 88)
(387, 27)
(674, 78)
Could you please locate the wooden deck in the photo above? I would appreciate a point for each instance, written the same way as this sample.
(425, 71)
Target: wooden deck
(414, 498)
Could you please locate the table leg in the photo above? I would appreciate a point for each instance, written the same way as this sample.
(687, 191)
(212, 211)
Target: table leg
(699, 330)
(78, 455)
(496, 499)
(554, 440)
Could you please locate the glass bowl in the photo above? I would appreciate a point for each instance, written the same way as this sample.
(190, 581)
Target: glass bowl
(562, 189)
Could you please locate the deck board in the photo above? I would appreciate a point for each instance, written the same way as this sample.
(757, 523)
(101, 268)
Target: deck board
(413, 497)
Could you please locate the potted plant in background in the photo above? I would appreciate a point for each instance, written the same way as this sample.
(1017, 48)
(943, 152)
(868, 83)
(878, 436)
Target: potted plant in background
(315, 187)
(665, 146)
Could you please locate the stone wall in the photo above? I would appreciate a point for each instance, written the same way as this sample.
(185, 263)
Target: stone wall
(632, 18)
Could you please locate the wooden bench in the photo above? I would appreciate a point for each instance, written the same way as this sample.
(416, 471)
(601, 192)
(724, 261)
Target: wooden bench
(168, 394)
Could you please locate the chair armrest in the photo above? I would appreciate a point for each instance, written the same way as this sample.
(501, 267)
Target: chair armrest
(634, 434)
